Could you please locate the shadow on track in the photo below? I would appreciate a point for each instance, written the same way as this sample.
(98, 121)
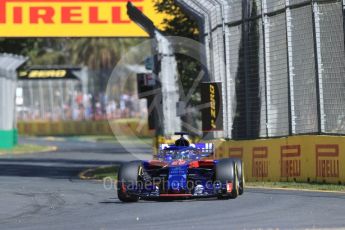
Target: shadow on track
(161, 200)
(48, 168)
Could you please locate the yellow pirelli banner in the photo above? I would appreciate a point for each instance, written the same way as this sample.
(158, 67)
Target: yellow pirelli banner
(72, 18)
(299, 158)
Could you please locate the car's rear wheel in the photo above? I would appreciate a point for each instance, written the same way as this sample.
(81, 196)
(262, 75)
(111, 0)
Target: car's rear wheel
(226, 174)
(240, 175)
(128, 178)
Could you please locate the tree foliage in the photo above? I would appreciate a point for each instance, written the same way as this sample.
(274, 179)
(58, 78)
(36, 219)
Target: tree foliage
(100, 55)
(19, 46)
(48, 51)
(178, 23)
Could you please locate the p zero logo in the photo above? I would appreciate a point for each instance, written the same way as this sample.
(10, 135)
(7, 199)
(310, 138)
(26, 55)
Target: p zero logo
(78, 18)
(290, 160)
(48, 73)
(260, 162)
(327, 161)
(212, 111)
(236, 152)
(34, 74)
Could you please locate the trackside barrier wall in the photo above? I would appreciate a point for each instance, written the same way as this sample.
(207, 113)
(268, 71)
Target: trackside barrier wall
(298, 158)
(126, 127)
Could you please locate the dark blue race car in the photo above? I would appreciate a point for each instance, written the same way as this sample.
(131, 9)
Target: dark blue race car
(181, 170)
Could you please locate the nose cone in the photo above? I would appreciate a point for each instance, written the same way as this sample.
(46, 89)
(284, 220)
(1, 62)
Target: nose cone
(176, 186)
(177, 179)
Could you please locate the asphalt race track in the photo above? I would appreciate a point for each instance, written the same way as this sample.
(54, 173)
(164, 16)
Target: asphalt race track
(42, 191)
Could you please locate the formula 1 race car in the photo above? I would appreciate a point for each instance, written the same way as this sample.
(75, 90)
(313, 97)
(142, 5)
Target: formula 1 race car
(182, 170)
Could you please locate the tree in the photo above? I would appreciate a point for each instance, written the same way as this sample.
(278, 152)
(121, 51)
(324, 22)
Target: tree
(19, 46)
(49, 51)
(100, 55)
(179, 23)
(40, 51)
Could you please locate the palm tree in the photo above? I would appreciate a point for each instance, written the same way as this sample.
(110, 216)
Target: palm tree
(100, 55)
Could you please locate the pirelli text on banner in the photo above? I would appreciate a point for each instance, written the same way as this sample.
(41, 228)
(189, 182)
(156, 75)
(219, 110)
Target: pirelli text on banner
(72, 18)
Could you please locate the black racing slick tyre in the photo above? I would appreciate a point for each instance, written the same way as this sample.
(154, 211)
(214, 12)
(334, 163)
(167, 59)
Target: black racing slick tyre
(240, 174)
(226, 172)
(128, 176)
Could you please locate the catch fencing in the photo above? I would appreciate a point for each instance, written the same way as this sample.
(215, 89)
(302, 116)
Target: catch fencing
(281, 62)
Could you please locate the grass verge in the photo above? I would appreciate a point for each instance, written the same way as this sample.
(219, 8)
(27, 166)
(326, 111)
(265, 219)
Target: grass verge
(298, 186)
(100, 173)
(27, 148)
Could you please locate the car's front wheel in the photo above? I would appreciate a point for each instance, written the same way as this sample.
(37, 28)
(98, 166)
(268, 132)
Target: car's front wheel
(128, 178)
(226, 174)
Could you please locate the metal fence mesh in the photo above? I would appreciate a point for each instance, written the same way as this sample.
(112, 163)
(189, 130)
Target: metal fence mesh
(237, 72)
(234, 13)
(252, 79)
(274, 5)
(289, 63)
(286, 64)
(302, 72)
(277, 77)
(48, 100)
(262, 78)
(333, 66)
